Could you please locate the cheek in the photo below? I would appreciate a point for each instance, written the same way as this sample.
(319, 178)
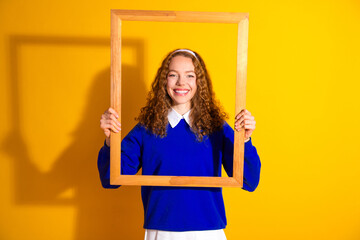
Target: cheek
(168, 86)
(170, 82)
(194, 85)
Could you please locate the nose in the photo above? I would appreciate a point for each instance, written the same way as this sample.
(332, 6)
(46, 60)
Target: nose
(181, 80)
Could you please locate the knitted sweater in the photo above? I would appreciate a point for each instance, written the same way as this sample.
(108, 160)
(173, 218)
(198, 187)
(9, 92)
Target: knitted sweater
(180, 154)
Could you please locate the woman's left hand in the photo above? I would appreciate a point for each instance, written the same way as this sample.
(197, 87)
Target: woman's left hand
(245, 119)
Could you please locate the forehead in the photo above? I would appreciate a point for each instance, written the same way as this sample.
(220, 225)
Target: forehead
(180, 63)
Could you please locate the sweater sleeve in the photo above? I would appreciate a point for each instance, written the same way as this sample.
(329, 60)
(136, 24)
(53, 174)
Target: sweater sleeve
(130, 157)
(103, 164)
(252, 164)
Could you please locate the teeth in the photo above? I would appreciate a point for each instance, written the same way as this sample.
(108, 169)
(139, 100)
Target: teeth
(178, 91)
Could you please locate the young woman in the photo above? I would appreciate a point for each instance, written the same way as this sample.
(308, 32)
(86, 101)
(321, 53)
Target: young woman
(181, 132)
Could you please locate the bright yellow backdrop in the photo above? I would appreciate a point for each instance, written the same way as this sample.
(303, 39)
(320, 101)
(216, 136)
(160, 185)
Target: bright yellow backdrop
(303, 89)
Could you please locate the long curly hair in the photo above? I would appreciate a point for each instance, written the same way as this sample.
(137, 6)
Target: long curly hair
(206, 116)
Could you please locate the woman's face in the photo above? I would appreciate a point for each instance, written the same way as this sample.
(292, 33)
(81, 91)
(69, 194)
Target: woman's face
(181, 83)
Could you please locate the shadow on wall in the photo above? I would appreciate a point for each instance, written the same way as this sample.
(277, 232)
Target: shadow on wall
(100, 213)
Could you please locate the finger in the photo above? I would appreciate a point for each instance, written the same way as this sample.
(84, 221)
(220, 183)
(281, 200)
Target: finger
(247, 112)
(239, 123)
(241, 113)
(249, 117)
(243, 122)
(113, 123)
(105, 121)
(246, 126)
(107, 116)
(104, 115)
(113, 117)
(112, 127)
(108, 124)
(249, 126)
(238, 115)
(105, 126)
(249, 120)
(107, 131)
(111, 110)
(238, 128)
(102, 122)
(240, 119)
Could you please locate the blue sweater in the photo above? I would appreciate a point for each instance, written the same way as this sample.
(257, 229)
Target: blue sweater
(180, 154)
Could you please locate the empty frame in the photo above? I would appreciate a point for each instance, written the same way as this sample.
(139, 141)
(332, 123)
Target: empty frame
(242, 20)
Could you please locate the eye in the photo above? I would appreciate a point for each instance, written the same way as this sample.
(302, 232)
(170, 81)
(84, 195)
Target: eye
(190, 76)
(172, 75)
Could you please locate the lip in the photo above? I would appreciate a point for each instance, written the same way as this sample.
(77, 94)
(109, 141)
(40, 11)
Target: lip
(180, 91)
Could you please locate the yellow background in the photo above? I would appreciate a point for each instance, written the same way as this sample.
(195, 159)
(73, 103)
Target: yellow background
(303, 89)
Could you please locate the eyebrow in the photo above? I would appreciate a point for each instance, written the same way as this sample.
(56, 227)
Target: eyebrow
(185, 71)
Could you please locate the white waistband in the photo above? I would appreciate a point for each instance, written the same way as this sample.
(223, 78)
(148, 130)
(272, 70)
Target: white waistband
(218, 234)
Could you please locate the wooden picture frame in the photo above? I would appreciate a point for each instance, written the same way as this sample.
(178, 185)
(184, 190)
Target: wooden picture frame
(242, 20)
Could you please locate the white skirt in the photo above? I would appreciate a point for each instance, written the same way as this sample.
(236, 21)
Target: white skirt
(188, 235)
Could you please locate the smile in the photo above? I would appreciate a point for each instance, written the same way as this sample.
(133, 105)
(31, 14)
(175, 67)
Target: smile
(181, 92)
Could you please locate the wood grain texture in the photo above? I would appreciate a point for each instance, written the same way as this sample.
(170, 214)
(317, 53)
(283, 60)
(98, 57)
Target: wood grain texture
(240, 99)
(179, 16)
(115, 101)
(176, 181)
(117, 16)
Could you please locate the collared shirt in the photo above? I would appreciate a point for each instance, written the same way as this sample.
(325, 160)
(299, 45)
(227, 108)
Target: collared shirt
(174, 117)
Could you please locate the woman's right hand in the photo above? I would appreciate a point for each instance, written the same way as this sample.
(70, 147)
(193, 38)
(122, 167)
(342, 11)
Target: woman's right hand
(109, 122)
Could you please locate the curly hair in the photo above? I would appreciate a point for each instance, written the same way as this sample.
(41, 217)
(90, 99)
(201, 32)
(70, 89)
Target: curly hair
(206, 115)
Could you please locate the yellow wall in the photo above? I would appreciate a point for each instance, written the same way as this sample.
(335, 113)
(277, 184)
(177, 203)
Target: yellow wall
(303, 89)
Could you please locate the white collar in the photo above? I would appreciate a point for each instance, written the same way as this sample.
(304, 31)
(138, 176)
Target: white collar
(174, 117)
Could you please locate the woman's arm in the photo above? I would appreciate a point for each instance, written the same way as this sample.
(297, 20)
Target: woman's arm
(252, 164)
(103, 164)
(130, 149)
